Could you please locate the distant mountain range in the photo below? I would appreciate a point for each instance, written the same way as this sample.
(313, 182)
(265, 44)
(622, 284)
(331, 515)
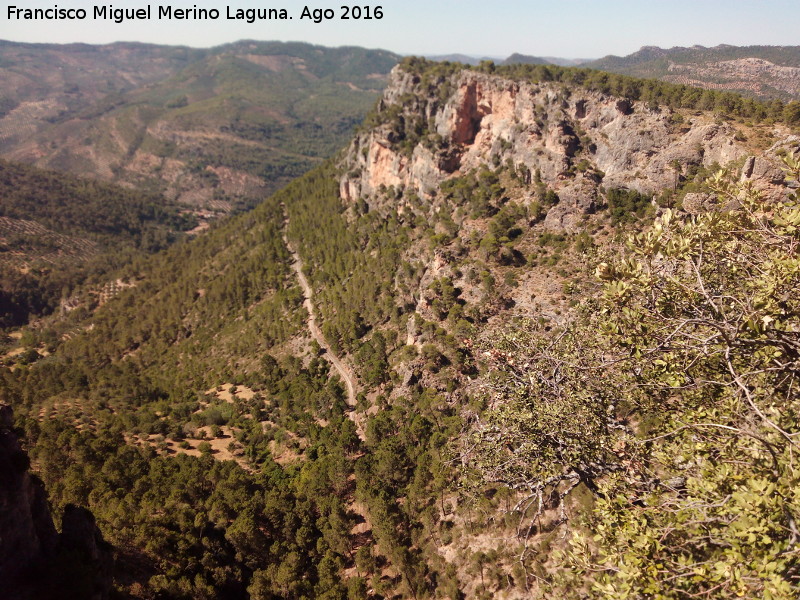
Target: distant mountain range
(764, 72)
(513, 59)
(760, 71)
(214, 129)
(543, 60)
(465, 59)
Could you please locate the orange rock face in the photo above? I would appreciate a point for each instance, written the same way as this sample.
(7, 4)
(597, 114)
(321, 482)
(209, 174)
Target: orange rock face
(576, 141)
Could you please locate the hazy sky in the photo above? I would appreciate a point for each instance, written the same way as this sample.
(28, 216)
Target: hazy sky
(566, 28)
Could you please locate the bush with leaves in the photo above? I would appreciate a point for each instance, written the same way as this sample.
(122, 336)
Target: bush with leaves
(698, 336)
(708, 309)
(551, 413)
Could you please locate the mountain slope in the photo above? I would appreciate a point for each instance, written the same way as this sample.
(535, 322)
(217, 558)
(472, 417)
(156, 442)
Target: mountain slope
(204, 427)
(759, 71)
(212, 129)
(57, 231)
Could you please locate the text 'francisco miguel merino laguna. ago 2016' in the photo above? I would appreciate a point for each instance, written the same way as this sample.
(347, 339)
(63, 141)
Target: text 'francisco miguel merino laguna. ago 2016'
(169, 13)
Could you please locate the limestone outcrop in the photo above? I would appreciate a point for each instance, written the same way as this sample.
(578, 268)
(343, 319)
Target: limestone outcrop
(575, 142)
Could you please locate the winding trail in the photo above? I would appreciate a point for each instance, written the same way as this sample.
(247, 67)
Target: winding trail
(308, 294)
(363, 528)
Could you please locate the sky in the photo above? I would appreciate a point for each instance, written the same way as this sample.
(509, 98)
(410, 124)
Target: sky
(561, 28)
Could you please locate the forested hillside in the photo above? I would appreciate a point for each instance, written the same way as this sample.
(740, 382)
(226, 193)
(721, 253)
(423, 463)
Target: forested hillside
(766, 72)
(215, 129)
(58, 231)
(574, 339)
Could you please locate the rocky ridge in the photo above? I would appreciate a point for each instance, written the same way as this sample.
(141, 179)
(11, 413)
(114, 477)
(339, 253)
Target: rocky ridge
(577, 144)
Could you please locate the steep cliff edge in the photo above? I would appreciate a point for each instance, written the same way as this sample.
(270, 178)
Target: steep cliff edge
(35, 560)
(28, 534)
(578, 143)
(494, 164)
(441, 139)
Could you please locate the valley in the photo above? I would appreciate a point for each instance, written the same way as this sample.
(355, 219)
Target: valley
(61, 236)
(200, 134)
(559, 305)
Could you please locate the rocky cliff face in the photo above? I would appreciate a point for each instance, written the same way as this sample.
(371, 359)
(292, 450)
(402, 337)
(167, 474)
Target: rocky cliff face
(32, 553)
(27, 533)
(575, 142)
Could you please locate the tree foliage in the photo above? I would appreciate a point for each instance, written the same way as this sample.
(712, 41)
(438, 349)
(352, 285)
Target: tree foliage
(686, 376)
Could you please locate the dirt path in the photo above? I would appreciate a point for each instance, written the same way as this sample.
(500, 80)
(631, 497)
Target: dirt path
(363, 528)
(343, 370)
